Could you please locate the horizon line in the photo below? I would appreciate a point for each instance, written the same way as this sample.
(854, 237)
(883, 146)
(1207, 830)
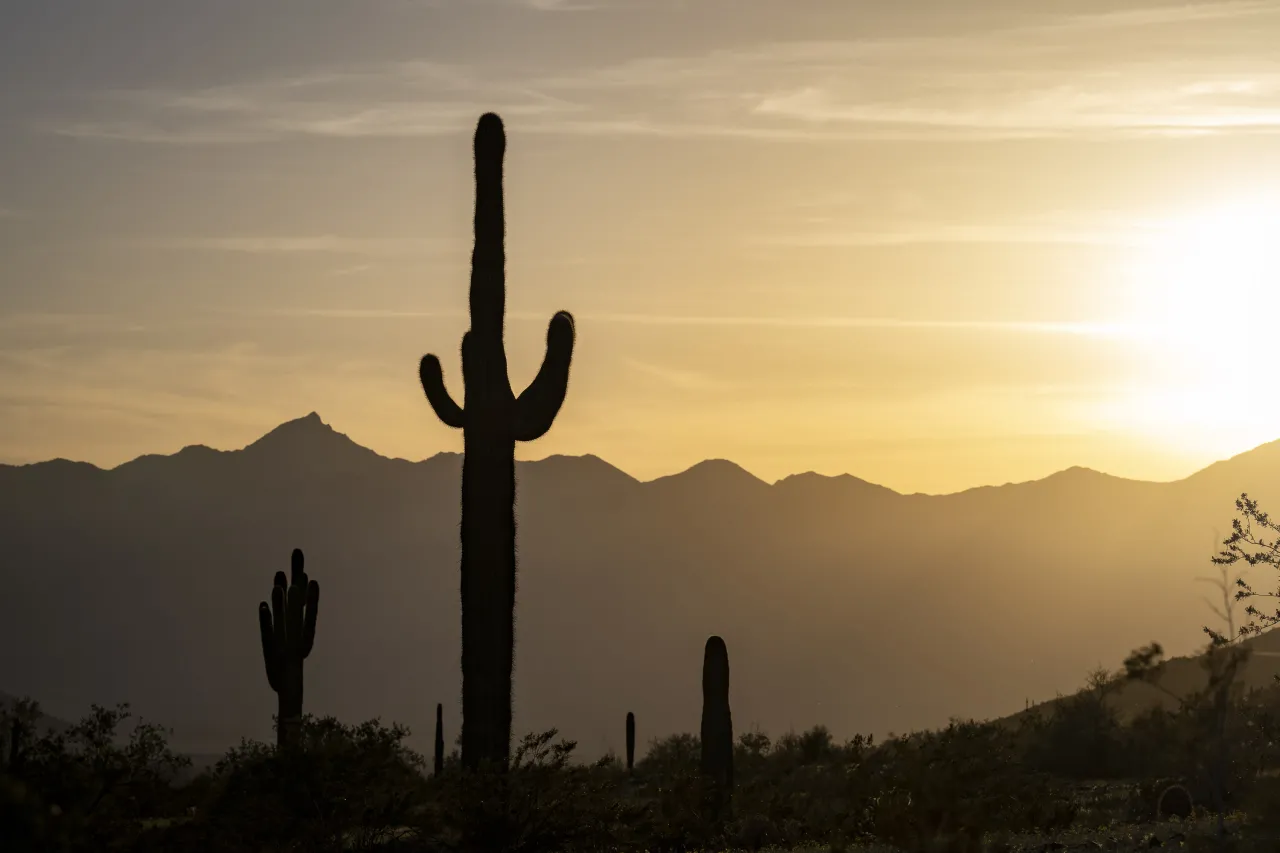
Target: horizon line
(330, 427)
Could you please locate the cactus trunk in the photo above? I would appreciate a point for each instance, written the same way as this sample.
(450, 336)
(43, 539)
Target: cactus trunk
(717, 727)
(631, 741)
(492, 420)
(288, 628)
(488, 594)
(438, 765)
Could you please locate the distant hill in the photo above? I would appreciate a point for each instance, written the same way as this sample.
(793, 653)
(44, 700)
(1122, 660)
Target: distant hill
(842, 602)
(43, 725)
(1180, 676)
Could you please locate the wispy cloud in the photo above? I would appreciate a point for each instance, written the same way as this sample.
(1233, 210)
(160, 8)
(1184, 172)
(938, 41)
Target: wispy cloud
(1197, 69)
(401, 99)
(562, 5)
(67, 322)
(1021, 327)
(1185, 13)
(324, 244)
(998, 234)
(1011, 326)
(356, 269)
(683, 379)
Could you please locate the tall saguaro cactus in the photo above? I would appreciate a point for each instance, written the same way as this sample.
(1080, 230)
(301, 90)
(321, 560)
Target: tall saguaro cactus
(717, 725)
(492, 419)
(288, 633)
(631, 741)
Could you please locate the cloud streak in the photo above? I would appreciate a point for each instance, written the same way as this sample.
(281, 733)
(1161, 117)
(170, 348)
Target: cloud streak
(1200, 69)
(958, 234)
(304, 245)
(1109, 330)
(562, 5)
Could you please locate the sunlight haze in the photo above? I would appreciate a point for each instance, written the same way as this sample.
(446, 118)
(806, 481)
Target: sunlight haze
(929, 246)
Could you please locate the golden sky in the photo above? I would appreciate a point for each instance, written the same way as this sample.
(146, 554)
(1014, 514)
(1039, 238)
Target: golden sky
(932, 247)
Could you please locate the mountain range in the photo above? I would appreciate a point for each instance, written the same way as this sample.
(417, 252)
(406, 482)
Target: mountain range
(842, 602)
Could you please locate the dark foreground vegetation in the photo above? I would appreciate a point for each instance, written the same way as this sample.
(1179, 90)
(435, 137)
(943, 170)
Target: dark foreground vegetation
(1074, 771)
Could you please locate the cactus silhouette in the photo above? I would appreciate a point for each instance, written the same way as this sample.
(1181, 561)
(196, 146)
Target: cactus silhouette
(438, 765)
(631, 741)
(717, 725)
(492, 420)
(288, 633)
(16, 737)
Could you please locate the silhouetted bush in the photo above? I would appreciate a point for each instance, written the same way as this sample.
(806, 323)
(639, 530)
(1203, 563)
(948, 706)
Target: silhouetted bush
(542, 801)
(359, 787)
(339, 787)
(88, 787)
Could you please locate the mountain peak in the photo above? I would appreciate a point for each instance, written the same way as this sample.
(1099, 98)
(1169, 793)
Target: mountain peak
(715, 471)
(845, 483)
(307, 427)
(308, 439)
(310, 423)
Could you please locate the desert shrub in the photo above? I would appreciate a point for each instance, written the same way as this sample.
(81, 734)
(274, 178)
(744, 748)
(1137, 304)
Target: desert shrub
(341, 787)
(968, 779)
(543, 801)
(1082, 739)
(90, 787)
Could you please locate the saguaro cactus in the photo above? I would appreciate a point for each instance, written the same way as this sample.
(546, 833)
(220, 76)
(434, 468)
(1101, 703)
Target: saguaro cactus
(717, 725)
(492, 420)
(288, 633)
(438, 766)
(17, 734)
(631, 741)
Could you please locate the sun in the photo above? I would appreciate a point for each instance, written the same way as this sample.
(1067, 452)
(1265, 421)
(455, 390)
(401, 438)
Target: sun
(1210, 281)
(1205, 309)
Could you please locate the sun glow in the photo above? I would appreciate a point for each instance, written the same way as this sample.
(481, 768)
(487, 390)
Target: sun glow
(1213, 278)
(1206, 293)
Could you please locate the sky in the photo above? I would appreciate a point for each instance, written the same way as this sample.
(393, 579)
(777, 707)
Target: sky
(934, 245)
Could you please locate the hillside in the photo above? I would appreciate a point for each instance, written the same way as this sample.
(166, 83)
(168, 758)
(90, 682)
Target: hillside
(842, 602)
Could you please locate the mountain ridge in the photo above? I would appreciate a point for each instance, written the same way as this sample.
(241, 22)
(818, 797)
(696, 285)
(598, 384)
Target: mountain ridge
(842, 602)
(317, 434)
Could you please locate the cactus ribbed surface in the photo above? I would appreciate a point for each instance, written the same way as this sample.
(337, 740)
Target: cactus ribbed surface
(631, 741)
(288, 628)
(492, 420)
(438, 765)
(717, 724)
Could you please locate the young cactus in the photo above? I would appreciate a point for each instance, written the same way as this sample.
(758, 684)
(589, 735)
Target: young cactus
(717, 726)
(288, 629)
(631, 741)
(437, 766)
(492, 420)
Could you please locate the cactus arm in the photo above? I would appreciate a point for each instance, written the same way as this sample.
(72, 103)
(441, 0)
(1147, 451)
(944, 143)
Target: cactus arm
(297, 568)
(268, 645)
(309, 623)
(538, 406)
(277, 612)
(297, 597)
(449, 412)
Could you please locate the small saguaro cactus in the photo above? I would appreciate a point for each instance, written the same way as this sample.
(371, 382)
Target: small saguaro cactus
(288, 632)
(492, 420)
(631, 741)
(16, 737)
(717, 725)
(438, 765)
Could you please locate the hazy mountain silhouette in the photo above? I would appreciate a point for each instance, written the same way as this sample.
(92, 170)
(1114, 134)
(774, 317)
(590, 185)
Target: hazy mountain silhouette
(842, 602)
